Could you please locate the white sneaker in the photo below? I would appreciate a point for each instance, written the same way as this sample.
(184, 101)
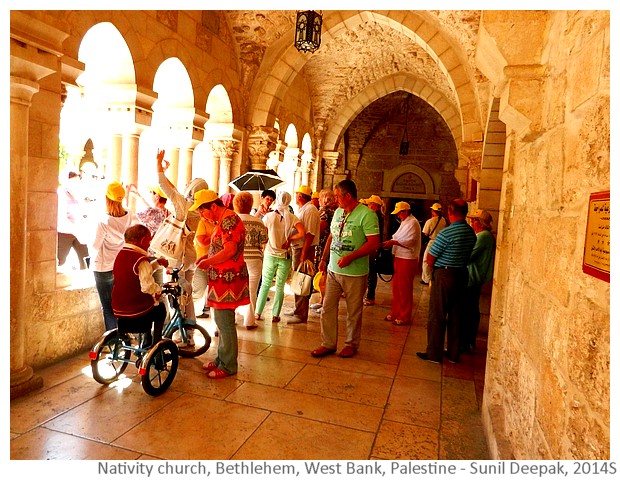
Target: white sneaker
(176, 338)
(316, 306)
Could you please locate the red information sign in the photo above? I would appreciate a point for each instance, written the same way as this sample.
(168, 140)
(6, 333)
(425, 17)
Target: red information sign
(597, 247)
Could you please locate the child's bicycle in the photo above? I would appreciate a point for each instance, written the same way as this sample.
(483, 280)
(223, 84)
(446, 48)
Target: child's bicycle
(193, 339)
(157, 364)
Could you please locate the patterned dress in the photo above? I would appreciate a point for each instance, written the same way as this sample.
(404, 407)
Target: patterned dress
(228, 281)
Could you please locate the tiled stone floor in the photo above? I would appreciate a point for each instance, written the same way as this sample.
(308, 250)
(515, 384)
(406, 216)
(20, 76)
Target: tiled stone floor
(384, 403)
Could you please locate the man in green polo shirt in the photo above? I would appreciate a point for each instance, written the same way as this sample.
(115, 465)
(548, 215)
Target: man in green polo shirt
(354, 234)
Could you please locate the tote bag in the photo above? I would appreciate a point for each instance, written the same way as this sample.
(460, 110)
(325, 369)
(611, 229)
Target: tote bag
(301, 279)
(169, 239)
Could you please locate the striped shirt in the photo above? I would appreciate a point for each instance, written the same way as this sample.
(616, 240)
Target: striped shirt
(453, 245)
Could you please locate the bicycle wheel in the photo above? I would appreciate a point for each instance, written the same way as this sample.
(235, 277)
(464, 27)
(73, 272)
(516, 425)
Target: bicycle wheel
(160, 367)
(200, 340)
(109, 358)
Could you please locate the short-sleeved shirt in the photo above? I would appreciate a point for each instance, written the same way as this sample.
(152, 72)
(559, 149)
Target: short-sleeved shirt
(453, 245)
(204, 228)
(228, 281)
(279, 226)
(311, 220)
(482, 259)
(349, 232)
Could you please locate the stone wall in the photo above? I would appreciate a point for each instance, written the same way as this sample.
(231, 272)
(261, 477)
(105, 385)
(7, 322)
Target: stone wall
(373, 144)
(547, 386)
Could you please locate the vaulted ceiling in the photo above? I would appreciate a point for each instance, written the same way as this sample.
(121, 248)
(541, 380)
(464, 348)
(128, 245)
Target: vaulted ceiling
(350, 59)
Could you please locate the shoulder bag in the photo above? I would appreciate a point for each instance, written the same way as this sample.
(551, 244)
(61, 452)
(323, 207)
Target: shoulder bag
(301, 279)
(169, 239)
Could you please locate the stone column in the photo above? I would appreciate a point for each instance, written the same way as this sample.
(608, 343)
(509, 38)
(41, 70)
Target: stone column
(22, 375)
(306, 163)
(225, 151)
(186, 156)
(115, 159)
(172, 172)
(130, 165)
(214, 180)
(330, 163)
(261, 141)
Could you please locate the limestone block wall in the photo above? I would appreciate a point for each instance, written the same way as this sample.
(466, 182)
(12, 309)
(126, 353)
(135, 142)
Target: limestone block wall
(373, 144)
(547, 387)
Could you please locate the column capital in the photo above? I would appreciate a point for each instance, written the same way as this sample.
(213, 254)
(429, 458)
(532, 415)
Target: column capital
(331, 160)
(224, 149)
(261, 141)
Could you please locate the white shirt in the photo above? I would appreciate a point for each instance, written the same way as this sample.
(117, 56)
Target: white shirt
(109, 240)
(278, 230)
(311, 220)
(408, 235)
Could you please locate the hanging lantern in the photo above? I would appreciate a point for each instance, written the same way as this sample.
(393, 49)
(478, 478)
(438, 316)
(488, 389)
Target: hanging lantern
(308, 31)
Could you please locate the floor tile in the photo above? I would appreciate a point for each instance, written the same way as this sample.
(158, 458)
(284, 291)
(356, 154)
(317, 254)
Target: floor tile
(351, 386)
(415, 401)
(193, 427)
(397, 441)
(267, 370)
(309, 406)
(44, 444)
(33, 410)
(108, 416)
(286, 437)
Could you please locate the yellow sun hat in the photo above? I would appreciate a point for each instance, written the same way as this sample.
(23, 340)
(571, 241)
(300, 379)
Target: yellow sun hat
(157, 189)
(115, 192)
(374, 199)
(317, 281)
(305, 189)
(203, 196)
(400, 206)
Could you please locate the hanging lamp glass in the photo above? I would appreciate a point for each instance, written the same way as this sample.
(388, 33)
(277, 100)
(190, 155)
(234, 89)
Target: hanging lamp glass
(308, 31)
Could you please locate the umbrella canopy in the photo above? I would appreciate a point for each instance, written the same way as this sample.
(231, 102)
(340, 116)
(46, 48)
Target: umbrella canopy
(256, 180)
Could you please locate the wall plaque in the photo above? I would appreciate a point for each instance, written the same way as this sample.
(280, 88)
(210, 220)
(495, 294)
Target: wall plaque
(596, 255)
(409, 183)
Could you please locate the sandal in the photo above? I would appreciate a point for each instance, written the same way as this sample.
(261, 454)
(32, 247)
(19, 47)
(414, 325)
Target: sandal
(400, 322)
(217, 373)
(275, 319)
(209, 366)
(388, 318)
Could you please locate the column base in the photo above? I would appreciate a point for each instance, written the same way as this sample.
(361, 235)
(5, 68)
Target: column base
(24, 381)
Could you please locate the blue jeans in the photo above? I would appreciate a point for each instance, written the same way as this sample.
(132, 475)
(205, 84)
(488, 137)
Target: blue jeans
(227, 349)
(104, 281)
(273, 267)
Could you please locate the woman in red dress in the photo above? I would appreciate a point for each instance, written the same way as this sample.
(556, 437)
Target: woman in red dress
(227, 275)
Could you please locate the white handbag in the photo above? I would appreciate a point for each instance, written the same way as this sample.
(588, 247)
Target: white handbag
(301, 282)
(169, 239)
